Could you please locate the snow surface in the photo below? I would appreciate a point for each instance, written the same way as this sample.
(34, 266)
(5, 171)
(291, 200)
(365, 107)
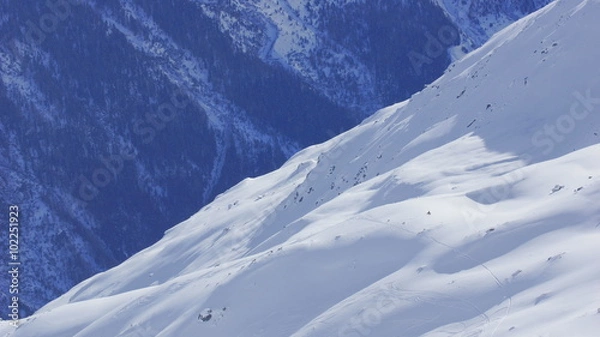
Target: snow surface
(469, 210)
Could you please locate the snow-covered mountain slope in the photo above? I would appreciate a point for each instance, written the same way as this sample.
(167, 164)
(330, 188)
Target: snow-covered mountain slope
(468, 210)
(120, 118)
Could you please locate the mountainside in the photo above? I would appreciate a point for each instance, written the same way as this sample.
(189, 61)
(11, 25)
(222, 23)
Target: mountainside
(122, 118)
(469, 209)
(478, 20)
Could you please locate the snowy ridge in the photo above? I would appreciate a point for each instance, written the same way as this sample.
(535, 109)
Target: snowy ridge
(468, 210)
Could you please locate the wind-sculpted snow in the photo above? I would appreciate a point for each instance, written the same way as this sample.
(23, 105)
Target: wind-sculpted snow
(468, 210)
